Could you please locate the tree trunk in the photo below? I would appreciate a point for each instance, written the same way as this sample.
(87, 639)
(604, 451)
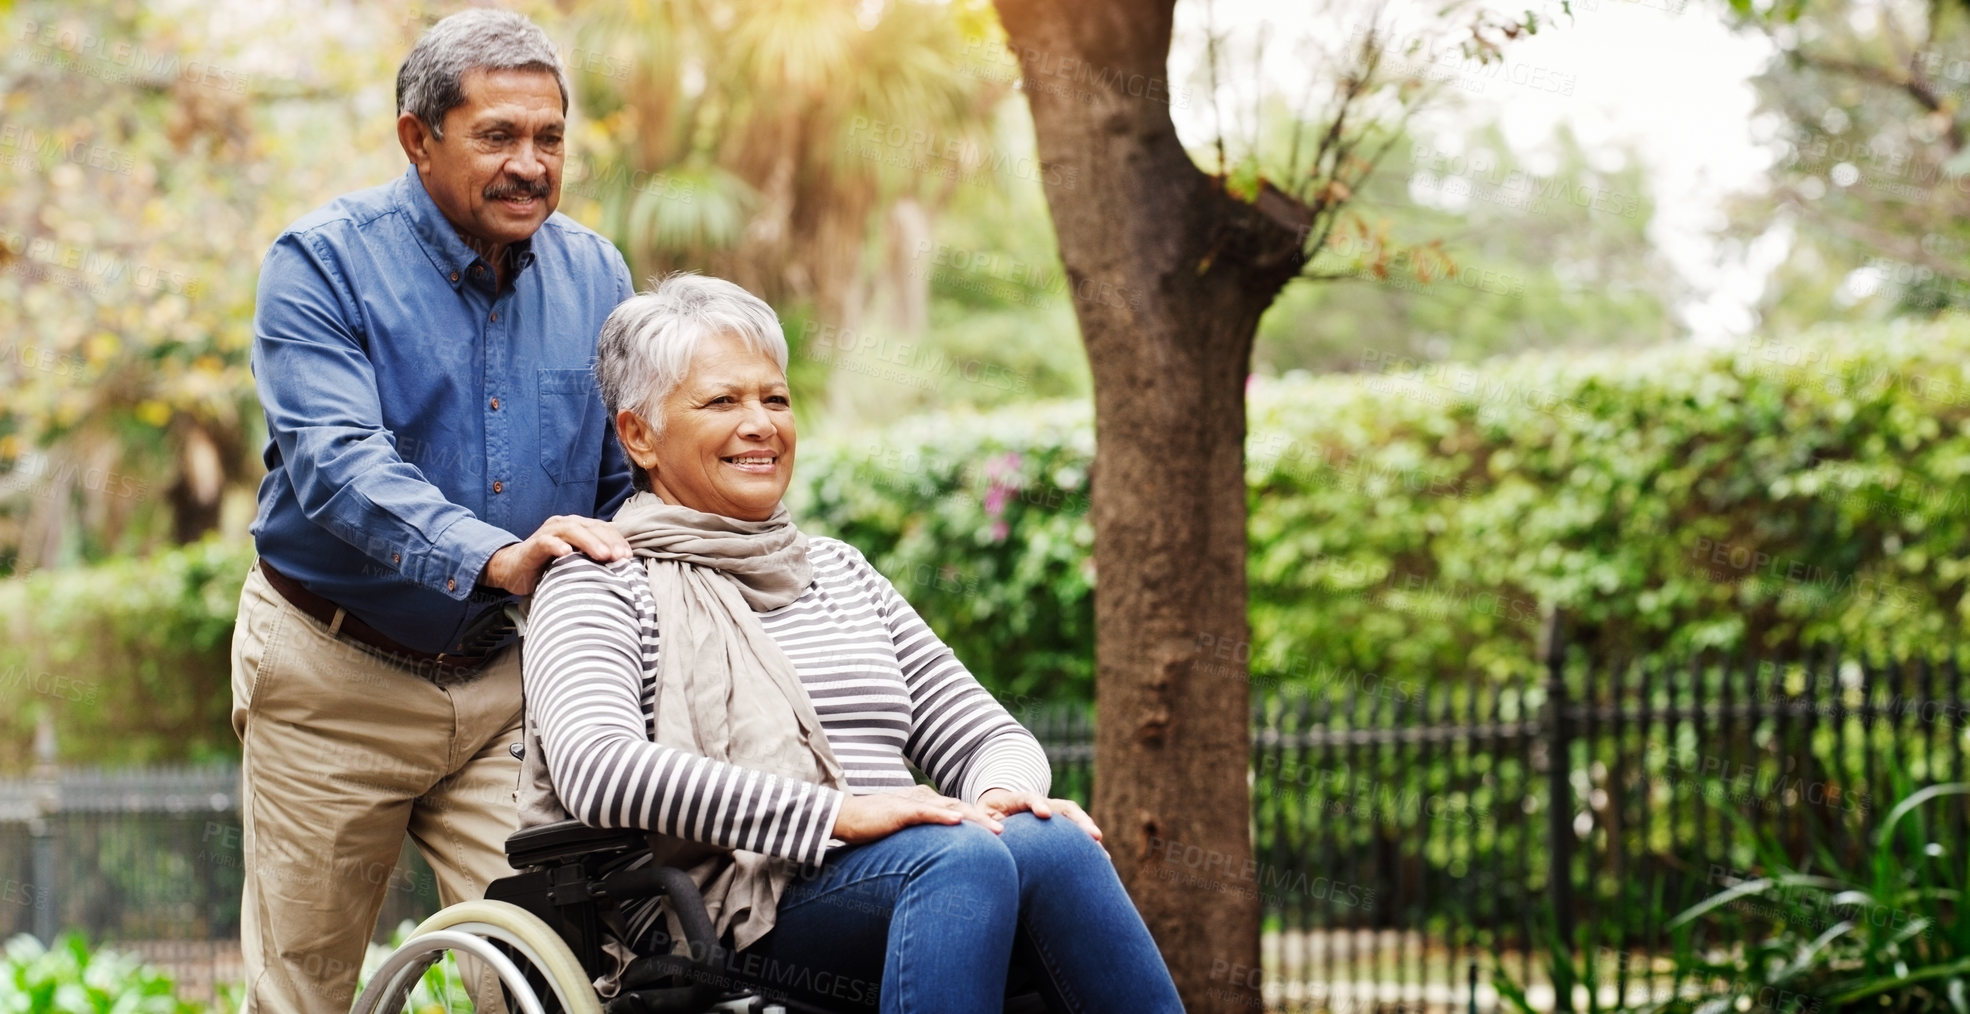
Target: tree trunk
(1169, 275)
(197, 494)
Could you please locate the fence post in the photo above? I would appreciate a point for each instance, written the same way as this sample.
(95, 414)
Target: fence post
(47, 805)
(1559, 809)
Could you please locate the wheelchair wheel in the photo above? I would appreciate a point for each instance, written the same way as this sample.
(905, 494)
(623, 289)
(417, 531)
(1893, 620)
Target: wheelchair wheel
(538, 972)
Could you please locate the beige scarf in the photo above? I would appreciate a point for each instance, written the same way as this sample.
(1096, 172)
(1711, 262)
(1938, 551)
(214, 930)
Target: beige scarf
(724, 689)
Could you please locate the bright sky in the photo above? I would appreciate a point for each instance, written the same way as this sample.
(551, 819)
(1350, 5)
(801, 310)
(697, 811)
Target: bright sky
(1665, 79)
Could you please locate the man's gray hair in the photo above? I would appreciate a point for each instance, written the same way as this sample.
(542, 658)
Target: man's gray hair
(431, 82)
(650, 339)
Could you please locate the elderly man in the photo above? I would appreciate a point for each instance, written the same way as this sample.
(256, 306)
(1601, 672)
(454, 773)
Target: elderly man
(422, 351)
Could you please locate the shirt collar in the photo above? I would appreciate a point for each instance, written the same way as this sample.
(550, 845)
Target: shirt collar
(435, 233)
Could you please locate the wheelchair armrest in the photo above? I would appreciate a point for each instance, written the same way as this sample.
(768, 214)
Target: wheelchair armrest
(562, 840)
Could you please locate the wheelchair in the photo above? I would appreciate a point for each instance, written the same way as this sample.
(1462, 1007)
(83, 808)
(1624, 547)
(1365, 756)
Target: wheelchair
(543, 930)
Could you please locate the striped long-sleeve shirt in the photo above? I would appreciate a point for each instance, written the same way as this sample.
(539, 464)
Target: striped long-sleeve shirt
(886, 689)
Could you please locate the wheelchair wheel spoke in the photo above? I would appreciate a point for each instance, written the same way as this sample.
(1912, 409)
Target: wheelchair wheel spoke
(485, 943)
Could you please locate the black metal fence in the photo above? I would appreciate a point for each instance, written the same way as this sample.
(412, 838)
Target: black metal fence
(1547, 828)
(148, 860)
(1407, 835)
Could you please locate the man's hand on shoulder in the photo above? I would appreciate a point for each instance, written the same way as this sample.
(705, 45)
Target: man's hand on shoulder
(517, 567)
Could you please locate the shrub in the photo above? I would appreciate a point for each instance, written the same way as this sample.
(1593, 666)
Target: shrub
(1887, 935)
(1759, 499)
(129, 657)
(69, 978)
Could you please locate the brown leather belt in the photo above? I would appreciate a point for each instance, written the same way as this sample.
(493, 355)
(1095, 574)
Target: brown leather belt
(439, 668)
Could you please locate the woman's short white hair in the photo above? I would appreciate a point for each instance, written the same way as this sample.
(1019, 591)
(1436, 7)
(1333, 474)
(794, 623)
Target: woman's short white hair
(648, 342)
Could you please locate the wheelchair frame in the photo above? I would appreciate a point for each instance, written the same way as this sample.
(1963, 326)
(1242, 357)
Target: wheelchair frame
(542, 932)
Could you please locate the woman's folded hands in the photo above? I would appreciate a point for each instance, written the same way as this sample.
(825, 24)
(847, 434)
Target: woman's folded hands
(877, 815)
(880, 814)
(1003, 803)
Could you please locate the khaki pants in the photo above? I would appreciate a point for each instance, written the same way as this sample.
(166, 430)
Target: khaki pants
(343, 754)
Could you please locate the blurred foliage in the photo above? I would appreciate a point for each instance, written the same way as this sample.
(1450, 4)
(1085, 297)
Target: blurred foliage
(1763, 498)
(147, 157)
(1409, 524)
(998, 327)
(1458, 250)
(1417, 523)
(70, 978)
(1889, 934)
(777, 162)
(130, 658)
(1871, 186)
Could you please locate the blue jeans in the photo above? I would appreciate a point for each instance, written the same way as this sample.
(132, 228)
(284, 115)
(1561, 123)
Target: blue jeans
(930, 918)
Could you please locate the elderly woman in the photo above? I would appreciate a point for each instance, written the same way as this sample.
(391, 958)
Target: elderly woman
(756, 698)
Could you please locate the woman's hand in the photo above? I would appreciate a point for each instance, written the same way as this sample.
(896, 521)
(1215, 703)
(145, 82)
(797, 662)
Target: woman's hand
(869, 818)
(1003, 803)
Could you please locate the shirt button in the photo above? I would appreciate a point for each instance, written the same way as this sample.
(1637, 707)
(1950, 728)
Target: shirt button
(495, 404)
(495, 318)
(451, 584)
(498, 487)
(454, 276)
(396, 557)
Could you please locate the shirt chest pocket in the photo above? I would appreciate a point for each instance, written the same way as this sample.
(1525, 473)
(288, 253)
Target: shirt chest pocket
(570, 425)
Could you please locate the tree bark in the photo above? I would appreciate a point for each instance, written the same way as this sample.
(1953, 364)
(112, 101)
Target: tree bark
(1169, 276)
(197, 493)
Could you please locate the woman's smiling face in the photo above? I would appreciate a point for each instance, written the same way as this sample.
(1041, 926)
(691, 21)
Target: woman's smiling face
(727, 442)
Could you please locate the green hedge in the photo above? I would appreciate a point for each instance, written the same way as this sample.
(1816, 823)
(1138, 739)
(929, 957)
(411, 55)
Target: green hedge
(129, 657)
(1405, 526)
(1759, 499)
(1408, 525)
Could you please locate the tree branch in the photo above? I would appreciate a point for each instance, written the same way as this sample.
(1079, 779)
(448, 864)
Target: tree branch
(1896, 244)
(1211, 55)
(1912, 84)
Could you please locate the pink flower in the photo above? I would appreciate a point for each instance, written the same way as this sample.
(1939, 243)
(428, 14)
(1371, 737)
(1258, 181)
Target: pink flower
(1000, 491)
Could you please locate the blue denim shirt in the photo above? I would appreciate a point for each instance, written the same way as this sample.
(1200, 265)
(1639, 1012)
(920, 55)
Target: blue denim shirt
(418, 422)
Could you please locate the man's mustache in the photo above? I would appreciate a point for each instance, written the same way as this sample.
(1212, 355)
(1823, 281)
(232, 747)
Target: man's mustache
(517, 188)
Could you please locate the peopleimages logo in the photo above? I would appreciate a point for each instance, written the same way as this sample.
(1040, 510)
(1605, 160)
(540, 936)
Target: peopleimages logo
(47, 475)
(926, 151)
(37, 144)
(1073, 77)
(119, 61)
(1208, 869)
